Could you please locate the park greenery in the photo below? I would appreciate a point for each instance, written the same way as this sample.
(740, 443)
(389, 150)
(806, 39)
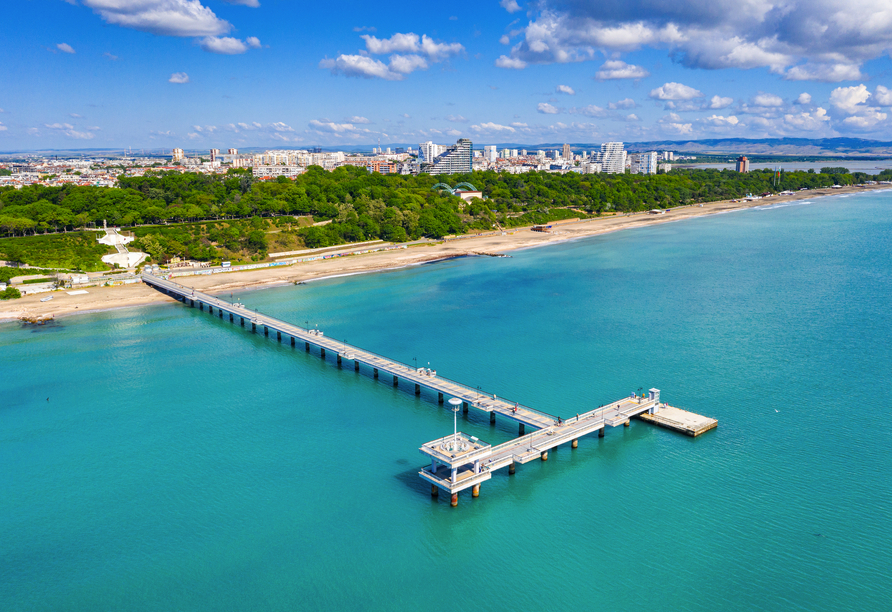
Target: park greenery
(10, 293)
(236, 217)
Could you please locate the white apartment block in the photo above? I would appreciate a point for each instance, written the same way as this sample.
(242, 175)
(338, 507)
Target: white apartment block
(612, 158)
(178, 155)
(644, 163)
(428, 151)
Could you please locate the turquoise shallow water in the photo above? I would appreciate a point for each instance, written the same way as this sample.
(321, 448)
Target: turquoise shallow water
(182, 463)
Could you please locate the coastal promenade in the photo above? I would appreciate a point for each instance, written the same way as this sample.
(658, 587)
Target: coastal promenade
(459, 461)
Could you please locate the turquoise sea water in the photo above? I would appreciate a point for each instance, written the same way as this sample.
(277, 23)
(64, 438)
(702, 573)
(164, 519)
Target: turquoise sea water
(182, 463)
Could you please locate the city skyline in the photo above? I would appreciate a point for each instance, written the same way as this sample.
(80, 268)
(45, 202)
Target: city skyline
(202, 74)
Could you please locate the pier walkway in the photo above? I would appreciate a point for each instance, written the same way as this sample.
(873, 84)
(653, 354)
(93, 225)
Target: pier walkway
(459, 461)
(381, 366)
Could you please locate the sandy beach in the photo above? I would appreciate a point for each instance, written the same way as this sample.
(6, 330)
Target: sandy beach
(106, 298)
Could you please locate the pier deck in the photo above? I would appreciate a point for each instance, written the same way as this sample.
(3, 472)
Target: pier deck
(460, 461)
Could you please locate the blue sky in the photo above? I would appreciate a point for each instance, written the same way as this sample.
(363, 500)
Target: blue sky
(287, 74)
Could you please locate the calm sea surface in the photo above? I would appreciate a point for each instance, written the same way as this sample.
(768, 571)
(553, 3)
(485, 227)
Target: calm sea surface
(182, 463)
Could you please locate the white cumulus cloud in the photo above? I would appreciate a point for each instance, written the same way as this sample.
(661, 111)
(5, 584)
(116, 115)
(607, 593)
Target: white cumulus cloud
(226, 45)
(408, 53)
(179, 78)
(162, 17)
(719, 102)
(674, 91)
(848, 99)
(509, 5)
(804, 98)
(565, 89)
(825, 40)
(546, 109)
(883, 96)
(492, 127)
(767, 100)
(616, 69)
(65, 48)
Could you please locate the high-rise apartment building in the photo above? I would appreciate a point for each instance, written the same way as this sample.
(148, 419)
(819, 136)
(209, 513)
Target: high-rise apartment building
(645, 163)
(490, 153)
(566, 152)
(214, 154)
(456, 160)
(743, 164)
(428, 151)
(612, 158)
(177, 155)
(233, 152)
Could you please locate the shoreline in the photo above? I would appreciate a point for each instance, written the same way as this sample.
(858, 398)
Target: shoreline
(101, 299)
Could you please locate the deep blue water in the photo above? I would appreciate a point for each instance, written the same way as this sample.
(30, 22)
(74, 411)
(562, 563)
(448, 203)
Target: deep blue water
(182, 463)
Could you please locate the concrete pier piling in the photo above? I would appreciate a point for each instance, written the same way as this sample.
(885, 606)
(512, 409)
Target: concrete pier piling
(307, 346)
(626, 424)
(512, 467)
(231, 317)
(322, 352)
(520, 430)
(464, 407)
(475, 491)
(492, 417)
(243, 321)
(454, 500)
(279, 336)
(339, 361)
(601, 432)
(265, 330)
(356, 366)
(375, 372)
(435, 490)
(544, 456)
(293, 341)
(440, 398)
(396, 381)
(253, 326)
(417, 389)
(574, 443)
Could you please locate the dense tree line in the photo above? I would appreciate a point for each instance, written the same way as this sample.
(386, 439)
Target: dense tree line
(364, 206)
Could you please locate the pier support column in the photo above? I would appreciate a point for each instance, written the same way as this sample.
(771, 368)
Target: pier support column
(243, 321)
(192, 303)
(475, 491)
(253, 326)
(417, 389)
(435, 490)
(231, 317)
(464, 407)
(307, 346)
(396, 381)
(200, 305)
(440, 397)
(454, 500)
(376, 372)
(356, 366)
(601, 431)
(511, 467)
(544, 455)
(339, 361)
(626, 424)
(265, 330)
(520, 430)
(279, 336)
(210, 309)
(492, 416)
(574, 443)
(293, 341)
(322, 352)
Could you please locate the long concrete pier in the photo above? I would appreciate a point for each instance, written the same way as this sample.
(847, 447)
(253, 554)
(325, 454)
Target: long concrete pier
(459, 461)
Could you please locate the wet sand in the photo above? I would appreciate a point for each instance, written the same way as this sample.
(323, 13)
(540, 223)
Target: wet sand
(107, 298)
